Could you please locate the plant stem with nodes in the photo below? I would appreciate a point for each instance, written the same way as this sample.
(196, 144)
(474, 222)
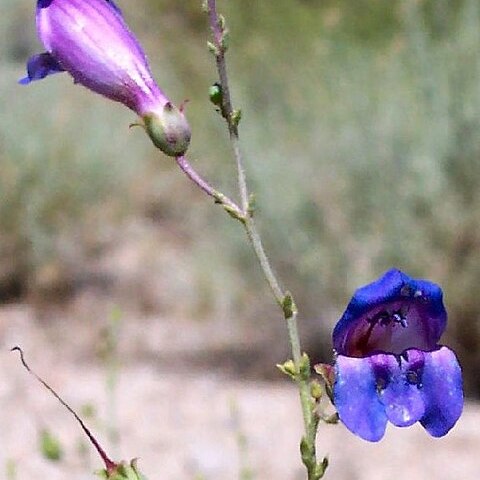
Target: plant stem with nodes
(244, 213)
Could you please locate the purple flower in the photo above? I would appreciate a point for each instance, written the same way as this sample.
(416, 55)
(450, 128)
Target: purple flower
(91, 41)
(389, 366)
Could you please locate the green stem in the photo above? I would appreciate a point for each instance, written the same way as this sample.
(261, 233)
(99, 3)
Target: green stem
(304, 389)
(218, 38)
(242, 180)
(267, 270)
(302, 372)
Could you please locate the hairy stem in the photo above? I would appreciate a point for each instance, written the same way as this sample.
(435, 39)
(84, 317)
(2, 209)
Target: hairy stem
(267, 270)
(302, 375)
(218, 33)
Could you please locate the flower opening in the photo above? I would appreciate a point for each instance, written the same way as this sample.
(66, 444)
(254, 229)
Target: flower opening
(389, 366)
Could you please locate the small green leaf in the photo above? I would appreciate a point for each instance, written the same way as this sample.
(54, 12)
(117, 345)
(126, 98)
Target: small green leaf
(222, 22)
(233, 213)
(288, 368)
(225, 41)
(304, 367)
(306, 452)
(321, 468)
(235, 117)
(212, 48)
(288, 306)
(316, 390)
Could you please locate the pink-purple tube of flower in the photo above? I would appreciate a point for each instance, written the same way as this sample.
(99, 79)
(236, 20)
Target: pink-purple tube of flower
(91, 41)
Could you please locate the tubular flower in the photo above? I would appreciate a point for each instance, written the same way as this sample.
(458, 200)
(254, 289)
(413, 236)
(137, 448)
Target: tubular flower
(91, 41)
(389, 366)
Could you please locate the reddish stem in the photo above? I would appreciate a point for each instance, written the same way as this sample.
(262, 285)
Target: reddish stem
(109, 464)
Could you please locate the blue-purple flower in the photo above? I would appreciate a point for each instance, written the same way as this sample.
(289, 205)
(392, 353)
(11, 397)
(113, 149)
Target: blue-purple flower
(389, 366)
(91, 41)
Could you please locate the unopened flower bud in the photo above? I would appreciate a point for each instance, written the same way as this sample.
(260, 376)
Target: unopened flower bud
(92, 42)
(216, 95)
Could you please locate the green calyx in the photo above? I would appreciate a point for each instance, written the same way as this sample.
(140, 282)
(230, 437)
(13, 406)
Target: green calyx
(122, 471)
(168, 130)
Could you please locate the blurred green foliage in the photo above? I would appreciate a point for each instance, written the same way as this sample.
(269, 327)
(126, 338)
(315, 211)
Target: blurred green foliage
(50, 446)
(10, 469)
(360, 133)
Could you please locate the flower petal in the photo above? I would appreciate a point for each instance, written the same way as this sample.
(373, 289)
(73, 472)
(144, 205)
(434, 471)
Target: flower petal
(442, 391)
(39, 66)
(356, 399)
(94, 44)
(44, 3)
(392, 314)
(115, 6)
(397, 380)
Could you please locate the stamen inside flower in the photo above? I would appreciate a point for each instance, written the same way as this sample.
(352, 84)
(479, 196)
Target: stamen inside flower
(412, 378)
(380, 320)
(393, 328)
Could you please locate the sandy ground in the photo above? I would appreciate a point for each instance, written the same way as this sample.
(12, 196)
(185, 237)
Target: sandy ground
(186, 423)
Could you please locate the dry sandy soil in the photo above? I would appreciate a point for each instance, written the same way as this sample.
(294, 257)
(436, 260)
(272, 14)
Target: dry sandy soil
(178, 418)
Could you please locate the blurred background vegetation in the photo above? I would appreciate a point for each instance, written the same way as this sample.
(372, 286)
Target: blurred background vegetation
(361, 136)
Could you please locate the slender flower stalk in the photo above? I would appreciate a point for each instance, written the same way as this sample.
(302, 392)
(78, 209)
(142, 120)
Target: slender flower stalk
(301, 372)
(229, 205)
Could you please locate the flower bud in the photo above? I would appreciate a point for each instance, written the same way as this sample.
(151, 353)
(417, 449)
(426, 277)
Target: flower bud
(91, 41)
